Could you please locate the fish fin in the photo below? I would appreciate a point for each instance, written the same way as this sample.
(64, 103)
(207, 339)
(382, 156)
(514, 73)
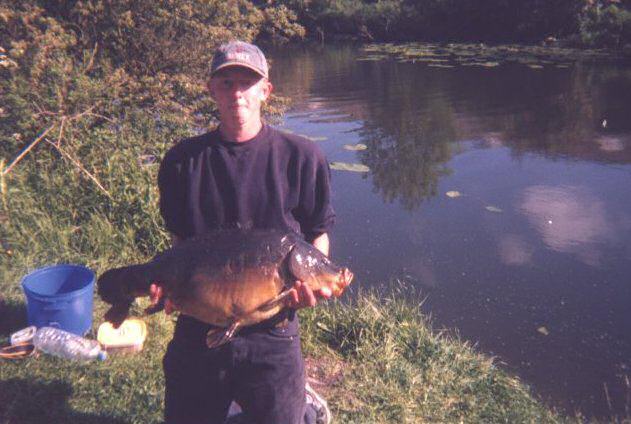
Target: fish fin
(157, 307)
(281, 299)
(117, 314)
(219, 336)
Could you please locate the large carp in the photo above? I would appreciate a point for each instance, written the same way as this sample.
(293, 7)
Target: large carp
(227, 278)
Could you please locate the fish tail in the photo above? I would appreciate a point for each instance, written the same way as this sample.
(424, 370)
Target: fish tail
(119, 287)
(122, 285)
(117, 314)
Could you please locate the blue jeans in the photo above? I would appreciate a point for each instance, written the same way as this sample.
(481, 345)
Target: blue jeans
(262, 369)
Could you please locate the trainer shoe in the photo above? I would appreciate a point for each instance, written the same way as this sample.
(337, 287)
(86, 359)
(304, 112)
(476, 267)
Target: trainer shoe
(317, 402)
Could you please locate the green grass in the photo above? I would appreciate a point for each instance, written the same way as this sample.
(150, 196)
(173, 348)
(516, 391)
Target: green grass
(377, 360)
(392, 367)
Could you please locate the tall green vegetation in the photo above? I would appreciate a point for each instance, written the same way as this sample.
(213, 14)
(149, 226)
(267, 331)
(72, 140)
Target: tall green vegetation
(91, 94)
(603, 23)
(606, 25)
(495, 20)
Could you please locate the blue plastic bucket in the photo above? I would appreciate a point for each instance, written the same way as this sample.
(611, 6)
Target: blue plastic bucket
(60, 296)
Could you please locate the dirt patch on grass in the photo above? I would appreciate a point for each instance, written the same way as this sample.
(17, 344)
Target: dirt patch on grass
(327, 375)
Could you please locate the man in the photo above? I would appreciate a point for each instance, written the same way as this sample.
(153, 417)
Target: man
(246, 174)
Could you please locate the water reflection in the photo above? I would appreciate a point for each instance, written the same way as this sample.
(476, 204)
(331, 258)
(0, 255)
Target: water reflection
(549, 148)
(408, 153)
(612, 143)
(514, 250)
(413, 114)
(569, 219)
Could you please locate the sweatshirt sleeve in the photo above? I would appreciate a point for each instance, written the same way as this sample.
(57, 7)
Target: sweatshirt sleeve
(315, 212)
(171, 194)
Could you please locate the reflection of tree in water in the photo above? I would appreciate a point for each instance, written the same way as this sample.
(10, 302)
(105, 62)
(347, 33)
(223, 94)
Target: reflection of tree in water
(407, 127)
(412, 112)
(553, 123)
(297, 70)
(562, 113)
(407, 152)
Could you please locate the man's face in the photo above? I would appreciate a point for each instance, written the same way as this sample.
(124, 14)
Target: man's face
(239, 93)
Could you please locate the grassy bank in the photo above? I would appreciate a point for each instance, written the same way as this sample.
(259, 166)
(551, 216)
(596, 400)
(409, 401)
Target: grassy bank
(377, 361)
(385, 363)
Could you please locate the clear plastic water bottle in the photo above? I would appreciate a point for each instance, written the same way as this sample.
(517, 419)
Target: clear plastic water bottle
(67, 345)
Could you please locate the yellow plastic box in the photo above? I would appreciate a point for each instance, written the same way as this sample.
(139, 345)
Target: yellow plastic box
(128, 338)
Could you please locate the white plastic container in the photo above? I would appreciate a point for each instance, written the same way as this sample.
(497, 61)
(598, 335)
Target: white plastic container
(128, 338)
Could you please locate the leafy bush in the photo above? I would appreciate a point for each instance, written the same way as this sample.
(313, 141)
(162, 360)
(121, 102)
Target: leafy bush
(281, 25)
(496, 20)
(606, 27)
(91, 94)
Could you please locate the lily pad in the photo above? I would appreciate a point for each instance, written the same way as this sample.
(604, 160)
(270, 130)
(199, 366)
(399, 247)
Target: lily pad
(371, 58)
(486, 64)
(316, 138)
(453, 194)
(437, 65)
(355, 147)
(353, 167)
(487, 56)
(494, 209)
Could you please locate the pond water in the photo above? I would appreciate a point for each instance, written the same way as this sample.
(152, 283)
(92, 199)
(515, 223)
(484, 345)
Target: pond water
(502, 193)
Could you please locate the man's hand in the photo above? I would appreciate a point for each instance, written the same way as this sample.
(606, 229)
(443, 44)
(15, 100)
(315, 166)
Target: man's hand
(301, 296)
(156, 295)
(159, 301)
